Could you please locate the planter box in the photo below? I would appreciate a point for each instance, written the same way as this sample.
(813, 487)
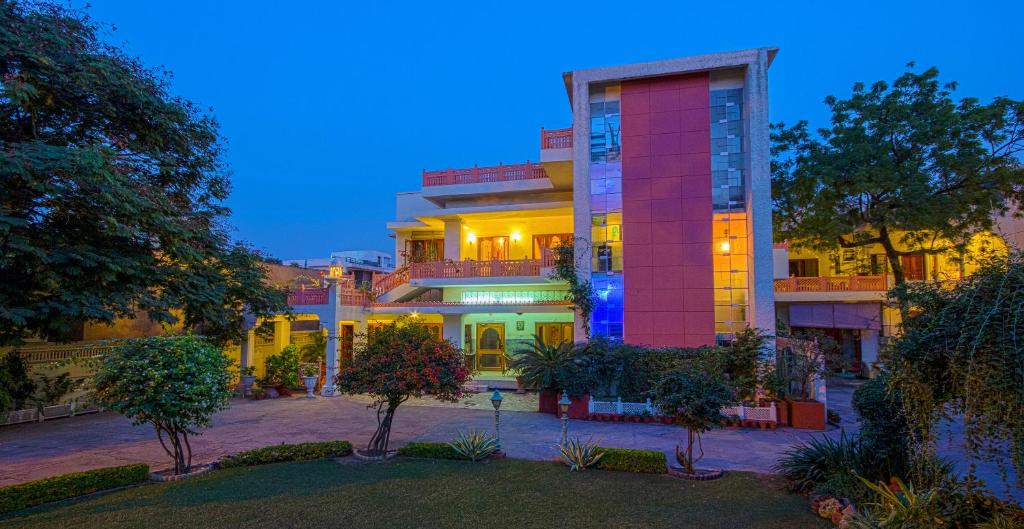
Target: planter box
(60, 410)
(20, 416)
(547, 402)
(807, 414)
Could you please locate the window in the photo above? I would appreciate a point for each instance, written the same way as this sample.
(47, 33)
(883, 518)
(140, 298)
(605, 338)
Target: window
(423, 251)
(878, 264)
(913, 266)
(491, 248)
(548, 241)
(803, 268)
(553, 334)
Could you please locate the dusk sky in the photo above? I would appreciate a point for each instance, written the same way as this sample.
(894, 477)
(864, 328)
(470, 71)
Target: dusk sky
(330, 108)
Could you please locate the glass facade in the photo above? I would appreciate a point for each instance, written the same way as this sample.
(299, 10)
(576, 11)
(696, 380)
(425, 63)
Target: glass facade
(729, 225)
(606, 210)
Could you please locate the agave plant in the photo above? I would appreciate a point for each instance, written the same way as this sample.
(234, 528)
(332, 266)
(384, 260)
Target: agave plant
(580, 455)
(540, 364)
(474, 445)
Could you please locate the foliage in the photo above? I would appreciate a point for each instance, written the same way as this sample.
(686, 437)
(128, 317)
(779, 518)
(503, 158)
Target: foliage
(740, 361)
(474, 445)
(902, 166)
(581, 455)
(883, 426)
(25, 495)
(50, 391)
(288, 452)
(310, 370)
(174, 383)
(247, 371)
(16, 387)
(430, 451)
(695, 398)
(960, 358)
(632, 460)
(899, 505)
(282, 369)
(581, 290)
(113, 191)
(399, 361)
(796, 368)
(823, 465)
(316, 350)
(553, 367)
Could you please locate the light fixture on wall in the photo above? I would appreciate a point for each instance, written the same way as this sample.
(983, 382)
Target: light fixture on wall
(724, 246)
(515, 236)
(471, 238)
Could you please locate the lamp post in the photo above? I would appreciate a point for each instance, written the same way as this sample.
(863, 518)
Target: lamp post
(496, 402)
(563, 406)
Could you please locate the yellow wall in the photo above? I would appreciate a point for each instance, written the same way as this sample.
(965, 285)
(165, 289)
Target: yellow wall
(526, 228)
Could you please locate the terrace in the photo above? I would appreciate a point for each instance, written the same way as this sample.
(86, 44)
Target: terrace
(832, 288)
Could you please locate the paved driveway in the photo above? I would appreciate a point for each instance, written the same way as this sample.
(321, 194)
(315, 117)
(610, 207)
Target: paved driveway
(31, 451)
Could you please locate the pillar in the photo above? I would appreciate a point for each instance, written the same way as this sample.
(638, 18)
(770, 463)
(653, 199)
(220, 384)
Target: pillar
(453, 239)
(330, 320)
(247, 348)
(282, 334)
(869, 344)
(451, 329)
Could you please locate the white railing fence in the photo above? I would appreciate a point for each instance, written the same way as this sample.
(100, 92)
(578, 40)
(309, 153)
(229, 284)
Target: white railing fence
(746, 413)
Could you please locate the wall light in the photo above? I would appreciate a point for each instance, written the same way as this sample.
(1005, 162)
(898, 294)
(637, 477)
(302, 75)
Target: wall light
(471, 238)
(724, 246)
(516, 236)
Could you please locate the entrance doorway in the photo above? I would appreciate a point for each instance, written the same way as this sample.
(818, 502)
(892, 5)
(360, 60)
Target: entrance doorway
(553, 334)
(493, 248)
(346, 343)
(490, 348)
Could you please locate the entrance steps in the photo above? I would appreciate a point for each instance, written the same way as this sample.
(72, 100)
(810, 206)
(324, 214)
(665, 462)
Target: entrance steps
(484, 383)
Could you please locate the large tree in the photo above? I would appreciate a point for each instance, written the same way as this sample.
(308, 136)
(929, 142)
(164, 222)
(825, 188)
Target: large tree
(903, 166)
(112, 190)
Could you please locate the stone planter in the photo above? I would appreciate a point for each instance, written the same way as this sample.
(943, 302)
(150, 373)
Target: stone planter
(20, 416)
(310, 383)
(53, 412)
(807, 414)
(169, 475)
(247, 382)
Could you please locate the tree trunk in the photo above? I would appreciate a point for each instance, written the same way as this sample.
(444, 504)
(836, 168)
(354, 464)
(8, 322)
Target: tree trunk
(180, 450)
(893, 256)
(378, 444)
(689, 451)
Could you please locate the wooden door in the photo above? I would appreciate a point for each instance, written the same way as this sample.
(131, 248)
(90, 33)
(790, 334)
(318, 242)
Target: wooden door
(490, 346)
(553, 334)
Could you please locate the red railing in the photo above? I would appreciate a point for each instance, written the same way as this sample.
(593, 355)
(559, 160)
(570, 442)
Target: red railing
(457, 303)
(556, 139)
(832, 284)
(478, 175)
(386, 283)
(352, 297)
(464, 269)
(308, 296)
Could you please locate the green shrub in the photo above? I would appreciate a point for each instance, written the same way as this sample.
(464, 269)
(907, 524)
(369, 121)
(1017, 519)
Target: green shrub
(883, 426)
(25, 495)
(824, 465)
(282, 369)
(629, 460)
(287, 452)
(431, 451)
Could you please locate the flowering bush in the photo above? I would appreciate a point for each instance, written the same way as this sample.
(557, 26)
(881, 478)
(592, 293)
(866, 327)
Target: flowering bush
(399, 361)
(174, 383)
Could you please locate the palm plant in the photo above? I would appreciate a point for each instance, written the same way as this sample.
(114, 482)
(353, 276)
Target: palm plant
(540, 365)
(315, 350)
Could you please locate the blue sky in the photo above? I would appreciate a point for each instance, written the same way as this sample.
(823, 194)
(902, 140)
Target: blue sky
(330, 108)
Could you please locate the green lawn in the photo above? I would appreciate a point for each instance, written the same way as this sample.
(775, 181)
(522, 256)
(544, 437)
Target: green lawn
(432, 493)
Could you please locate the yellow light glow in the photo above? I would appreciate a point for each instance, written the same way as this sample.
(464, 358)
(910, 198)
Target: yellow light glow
(471, 238)
(516, 236)
(414, 314)
(724, 246)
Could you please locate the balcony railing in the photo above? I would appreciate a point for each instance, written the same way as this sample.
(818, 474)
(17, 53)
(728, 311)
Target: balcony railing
(467, 269)
(48, 353)
(832, 284)
(308, 296)
(556, 139)
(479, 175)
(386, 283)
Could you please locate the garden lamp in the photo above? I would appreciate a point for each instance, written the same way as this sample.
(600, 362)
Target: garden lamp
(496, 401)
(563, 406)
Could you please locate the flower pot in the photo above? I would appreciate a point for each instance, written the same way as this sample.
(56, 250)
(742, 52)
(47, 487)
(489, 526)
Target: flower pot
(807, 414)
(310, 383)
(547, 401)
(580, 407)
(247, 382)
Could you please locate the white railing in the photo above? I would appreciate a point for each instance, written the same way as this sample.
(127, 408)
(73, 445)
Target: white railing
(760, 413)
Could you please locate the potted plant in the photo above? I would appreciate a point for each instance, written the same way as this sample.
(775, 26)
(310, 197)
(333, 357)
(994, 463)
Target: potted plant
(799, 366)
(281, 371)
(540, 367)
(248, 374)
(310, 376)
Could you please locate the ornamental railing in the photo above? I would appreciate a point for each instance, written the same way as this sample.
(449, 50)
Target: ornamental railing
(308, 296)
(556, 138)
(383, 284)
(832, 284)
(479, 175)
(399, 304)
(468, 269)
(48, 353)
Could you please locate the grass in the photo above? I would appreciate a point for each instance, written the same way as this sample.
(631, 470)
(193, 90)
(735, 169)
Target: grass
(432, 493)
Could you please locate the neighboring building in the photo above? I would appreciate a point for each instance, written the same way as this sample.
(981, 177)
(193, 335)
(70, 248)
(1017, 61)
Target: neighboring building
(362, 265)
(663, 185)
(842, 294)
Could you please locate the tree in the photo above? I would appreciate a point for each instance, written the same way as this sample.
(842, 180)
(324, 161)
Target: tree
(695, 399)
(961, 358)
(112, 191)
(399, 361)
(901, 166)
(174, 383)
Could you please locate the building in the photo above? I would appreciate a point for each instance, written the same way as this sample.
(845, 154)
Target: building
(360, 264)
(661, 184)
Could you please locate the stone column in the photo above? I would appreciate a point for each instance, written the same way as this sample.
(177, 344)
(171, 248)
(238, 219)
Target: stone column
(452, 328)
(330, 321)
(453, 239)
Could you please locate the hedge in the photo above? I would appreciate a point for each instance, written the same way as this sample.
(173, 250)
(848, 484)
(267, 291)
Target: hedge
(286, 452)
(25, 495)
(431, 451)
(629, 460)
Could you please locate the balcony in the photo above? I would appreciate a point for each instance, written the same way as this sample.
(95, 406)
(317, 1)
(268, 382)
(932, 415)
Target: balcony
(555, 139)
(308, 296)
(835, 288)
(484, 175)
